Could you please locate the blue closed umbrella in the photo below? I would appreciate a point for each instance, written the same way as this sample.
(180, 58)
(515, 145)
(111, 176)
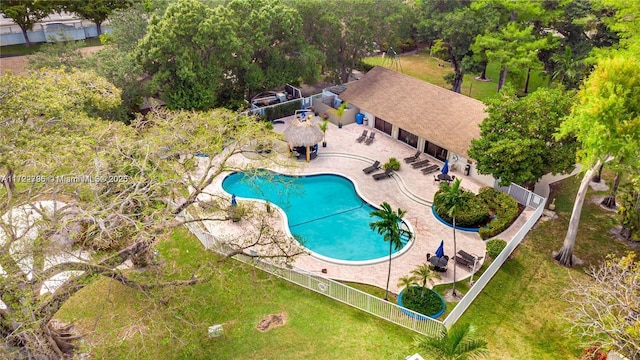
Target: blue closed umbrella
(445, 167)
(233, 200)
(440, 251)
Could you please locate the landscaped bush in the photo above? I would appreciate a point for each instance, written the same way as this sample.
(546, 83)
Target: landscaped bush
(392, 164)
(495, 247)
(477, 212)
(429, 304)
(283, 110)
(504, 207)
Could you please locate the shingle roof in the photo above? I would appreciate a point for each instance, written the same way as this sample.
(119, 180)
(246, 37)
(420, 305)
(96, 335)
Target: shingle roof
(441, 116)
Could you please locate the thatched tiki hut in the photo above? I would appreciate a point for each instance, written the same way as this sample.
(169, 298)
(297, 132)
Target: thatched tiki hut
(303, 133)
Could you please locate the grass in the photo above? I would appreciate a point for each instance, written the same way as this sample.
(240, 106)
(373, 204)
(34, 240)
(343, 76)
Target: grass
(520, 312)
(172, 323)
(18, 50)
(424, 67)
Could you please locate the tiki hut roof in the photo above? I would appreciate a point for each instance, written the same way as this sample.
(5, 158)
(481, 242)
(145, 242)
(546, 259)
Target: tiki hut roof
(441, 116)
(303, 133)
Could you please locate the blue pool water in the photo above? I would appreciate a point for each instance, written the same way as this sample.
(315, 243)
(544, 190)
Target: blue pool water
(324, 212)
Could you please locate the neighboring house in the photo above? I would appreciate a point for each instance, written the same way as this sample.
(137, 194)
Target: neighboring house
(55, 27)
(432, 119)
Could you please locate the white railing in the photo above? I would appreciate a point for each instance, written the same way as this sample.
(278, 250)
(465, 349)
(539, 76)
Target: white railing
(492, 269)
(330, 288)
(522, 195)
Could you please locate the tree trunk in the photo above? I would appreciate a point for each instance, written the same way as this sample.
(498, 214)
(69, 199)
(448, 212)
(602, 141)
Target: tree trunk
(610, 200)
(455, 251)
(386, 291)
(565, 255)
(27, 42)
(483, 74)
(458, 77)
(526, 82)
(598, 175)
(99, 27)
(503, 77)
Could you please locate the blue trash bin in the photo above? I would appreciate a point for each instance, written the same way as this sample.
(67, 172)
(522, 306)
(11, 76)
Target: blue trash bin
(359, 118)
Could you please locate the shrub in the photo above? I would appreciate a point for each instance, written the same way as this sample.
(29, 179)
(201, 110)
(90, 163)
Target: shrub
(495, 247)
(505, 208)
(392, 164)
(282, 110)
(475, 214)
(429, 304)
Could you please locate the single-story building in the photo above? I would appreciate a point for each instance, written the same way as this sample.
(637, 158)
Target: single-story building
(432, 119)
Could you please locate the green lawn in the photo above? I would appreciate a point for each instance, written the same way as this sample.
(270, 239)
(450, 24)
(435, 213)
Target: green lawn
(521, 311)
(16, 50)
(172, 324)
(426, 68)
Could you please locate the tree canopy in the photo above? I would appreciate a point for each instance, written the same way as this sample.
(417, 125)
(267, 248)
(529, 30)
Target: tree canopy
(82, 195)
(27, 13)
(95, 10)
(518, 139)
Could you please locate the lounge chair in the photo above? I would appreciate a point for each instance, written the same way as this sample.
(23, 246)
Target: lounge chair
(372, 168)
(370, 138)
(387, 173)
(430, 169)
(420, 164)
(413, 158)
(362, 137)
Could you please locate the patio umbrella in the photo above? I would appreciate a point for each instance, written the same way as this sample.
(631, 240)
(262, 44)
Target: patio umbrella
(438, 261)
(440, 251)
(303, 133)
(233, 200)
(445, 167)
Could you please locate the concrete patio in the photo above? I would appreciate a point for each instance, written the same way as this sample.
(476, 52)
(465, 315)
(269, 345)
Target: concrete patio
(407, 189)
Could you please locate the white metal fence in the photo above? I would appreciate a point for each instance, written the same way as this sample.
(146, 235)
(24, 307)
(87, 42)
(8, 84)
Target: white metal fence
(492, 269)
(331, 288)
(522, 195)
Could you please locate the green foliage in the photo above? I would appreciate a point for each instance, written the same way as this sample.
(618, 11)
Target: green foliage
(27, 13)
(629, 210)
(426, 302)
(389, 224)
(439, 50)
(282, 110)
(495, 247)
(473, 211)
(504, 207)
(95, 10)
(518, 141)
(392, 164)
(457, 343)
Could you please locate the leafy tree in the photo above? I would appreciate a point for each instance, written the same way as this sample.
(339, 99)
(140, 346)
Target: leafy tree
(452, 199)
(605, 307)
(187, 52)
(104, 193)
(96, 11)
(27, 13)
(513, 47)
(629, 210)
(456, 25)
(390, 225)
(606, 121)
(273, 50)
(517, 140)
(64, 54)
(457, 343)
(347, 31)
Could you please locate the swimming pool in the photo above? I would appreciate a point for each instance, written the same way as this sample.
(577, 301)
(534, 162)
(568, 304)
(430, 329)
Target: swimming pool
(324, 212)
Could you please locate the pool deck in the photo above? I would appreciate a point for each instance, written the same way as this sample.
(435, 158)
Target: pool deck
(407, 189)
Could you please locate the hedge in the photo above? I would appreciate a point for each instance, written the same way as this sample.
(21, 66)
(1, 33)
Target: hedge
(282, 110)
(495, 247)
(477, 213)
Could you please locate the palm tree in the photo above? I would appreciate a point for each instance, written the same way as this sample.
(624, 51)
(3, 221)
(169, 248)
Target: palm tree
(456, 344)
(423, 275)
(567, 69)
(389, 225)
(452, 198)
(406, 282)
